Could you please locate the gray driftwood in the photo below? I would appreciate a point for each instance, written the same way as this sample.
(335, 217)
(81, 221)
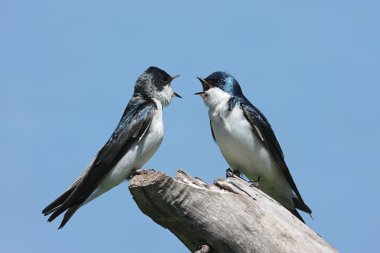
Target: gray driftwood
(226, 217)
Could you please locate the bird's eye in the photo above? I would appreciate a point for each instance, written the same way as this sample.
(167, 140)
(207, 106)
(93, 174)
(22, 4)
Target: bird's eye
(165, 79)
(217, 81)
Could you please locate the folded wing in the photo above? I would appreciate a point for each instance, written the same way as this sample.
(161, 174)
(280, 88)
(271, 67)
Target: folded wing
(132, 127)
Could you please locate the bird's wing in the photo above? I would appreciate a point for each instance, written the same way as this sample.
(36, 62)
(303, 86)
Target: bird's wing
(132, 127)
(263, 130)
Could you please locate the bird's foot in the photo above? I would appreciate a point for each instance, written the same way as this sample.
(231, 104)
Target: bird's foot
(230, 172)
(136, 172)
(255, 184)
(203, 249)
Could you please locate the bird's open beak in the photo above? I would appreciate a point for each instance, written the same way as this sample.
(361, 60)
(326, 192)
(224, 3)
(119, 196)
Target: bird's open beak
(176, 94)
(201, 93)
(205, 86)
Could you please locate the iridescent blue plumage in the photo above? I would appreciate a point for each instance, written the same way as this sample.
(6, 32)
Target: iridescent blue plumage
(225, 82)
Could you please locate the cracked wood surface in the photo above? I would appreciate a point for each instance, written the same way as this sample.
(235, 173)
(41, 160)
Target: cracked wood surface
(228, 216)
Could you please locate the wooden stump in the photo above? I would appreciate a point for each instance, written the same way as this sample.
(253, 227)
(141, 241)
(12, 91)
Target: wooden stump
(228, 216)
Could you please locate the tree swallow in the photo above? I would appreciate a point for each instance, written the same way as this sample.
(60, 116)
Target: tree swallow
(135, 139)
(247, 140)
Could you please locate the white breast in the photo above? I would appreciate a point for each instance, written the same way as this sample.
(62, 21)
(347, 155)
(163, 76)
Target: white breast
(240, 147)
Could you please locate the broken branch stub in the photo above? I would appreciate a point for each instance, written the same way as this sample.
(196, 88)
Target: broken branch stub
(228, 216)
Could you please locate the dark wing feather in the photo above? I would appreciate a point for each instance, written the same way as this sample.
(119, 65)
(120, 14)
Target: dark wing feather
(132, 127)
(212, 131)
(263, 130)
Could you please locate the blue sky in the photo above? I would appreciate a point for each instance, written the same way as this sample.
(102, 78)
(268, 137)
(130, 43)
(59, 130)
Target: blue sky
(67, 70)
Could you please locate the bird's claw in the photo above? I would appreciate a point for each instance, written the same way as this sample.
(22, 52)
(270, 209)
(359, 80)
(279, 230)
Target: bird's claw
(255, 184)
(137, 172)
(230, 172)
(203, 249)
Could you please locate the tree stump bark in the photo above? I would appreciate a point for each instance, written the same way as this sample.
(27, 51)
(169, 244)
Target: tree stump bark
(228, 216)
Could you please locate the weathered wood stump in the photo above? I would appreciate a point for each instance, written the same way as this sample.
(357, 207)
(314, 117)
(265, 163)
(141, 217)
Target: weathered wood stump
(228, 216)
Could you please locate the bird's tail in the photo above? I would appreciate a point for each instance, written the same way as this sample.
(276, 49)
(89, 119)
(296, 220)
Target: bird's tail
(300, 204)
(296, 213)
(57, 207)
(53, 206)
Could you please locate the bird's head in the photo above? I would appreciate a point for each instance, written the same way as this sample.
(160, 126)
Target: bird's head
(156, 83)
(219, 86)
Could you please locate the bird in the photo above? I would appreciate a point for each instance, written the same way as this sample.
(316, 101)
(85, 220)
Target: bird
(136, 138)
(247, 141)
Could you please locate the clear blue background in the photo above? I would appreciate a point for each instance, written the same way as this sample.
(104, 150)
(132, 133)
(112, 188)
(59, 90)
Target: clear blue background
(67, 70)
